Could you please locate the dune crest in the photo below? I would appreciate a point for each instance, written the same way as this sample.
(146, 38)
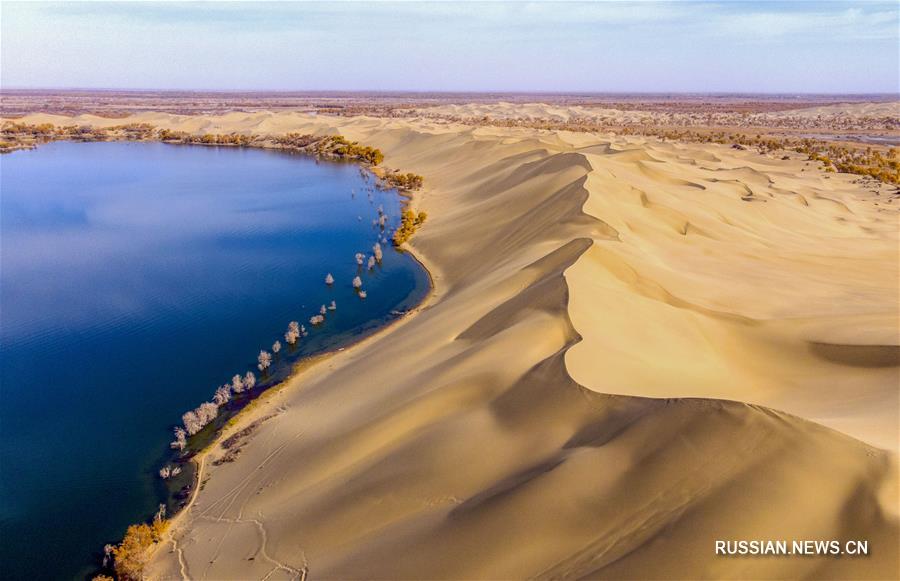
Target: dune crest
(590, 391)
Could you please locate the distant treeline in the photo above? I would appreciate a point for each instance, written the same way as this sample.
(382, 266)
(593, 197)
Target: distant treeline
(331, 146)
(15, 135)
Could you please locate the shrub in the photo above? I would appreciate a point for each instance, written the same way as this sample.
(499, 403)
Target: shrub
(131, 553)
(404, 181)
(409, 223)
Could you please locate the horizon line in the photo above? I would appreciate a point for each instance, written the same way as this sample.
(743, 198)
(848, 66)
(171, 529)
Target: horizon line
(446, 92)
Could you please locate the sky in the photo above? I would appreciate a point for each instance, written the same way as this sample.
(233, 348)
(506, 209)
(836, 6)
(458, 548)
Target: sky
(684, 46)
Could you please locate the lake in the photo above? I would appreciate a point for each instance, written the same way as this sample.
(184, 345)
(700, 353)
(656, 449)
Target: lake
(138, 277)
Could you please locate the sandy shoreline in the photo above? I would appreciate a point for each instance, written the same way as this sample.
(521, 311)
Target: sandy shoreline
(705, 287)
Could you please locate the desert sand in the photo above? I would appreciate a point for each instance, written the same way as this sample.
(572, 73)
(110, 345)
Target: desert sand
(633, 349)
(821, 116)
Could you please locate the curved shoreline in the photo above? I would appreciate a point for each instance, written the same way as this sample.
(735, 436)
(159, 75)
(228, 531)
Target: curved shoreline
(235, 421)
(253, 410)
(250, 411)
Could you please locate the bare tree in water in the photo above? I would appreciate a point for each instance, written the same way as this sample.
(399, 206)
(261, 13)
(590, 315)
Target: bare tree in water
(108, 555)
(265, 360)
(191, 422)
(180, 441)
(237, 385)
(207, 412)
(222, 395)
(249, 380)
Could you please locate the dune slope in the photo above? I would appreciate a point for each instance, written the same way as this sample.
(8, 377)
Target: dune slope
(633, 349)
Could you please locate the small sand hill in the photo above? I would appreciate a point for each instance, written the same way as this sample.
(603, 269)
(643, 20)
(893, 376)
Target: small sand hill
(823, 116)
(532, 111)
(890, 109)
(634, 349)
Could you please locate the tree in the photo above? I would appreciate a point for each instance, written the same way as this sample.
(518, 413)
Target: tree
(159, 519)
(237, 386)
(359, 258)
(371, 263)
(276, 347)
(316, 320)
(329, 280)
(363, 294)
(357, 282)
(265, 360)
(332, 306)
(207, 412)
(376, 249)
(180, 439)
(131, 554)
(408, 225)
(292, 333)
(191, 422)
(223, 394)
(322, 310)
(107, 556)
(249, 380)
(167, 471)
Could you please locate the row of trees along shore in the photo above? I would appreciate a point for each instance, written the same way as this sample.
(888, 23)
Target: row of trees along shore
(128, 559)
(15, 135)
(879, 163)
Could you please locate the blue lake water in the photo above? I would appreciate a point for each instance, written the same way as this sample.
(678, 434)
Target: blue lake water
(136, 277)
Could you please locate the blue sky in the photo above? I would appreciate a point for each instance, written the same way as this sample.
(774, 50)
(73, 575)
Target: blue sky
(793, 47)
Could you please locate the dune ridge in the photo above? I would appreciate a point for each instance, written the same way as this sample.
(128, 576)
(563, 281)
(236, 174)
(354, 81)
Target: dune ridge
(591, 391)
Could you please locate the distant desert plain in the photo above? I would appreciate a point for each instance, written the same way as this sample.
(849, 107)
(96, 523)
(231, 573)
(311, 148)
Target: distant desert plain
(654, 324)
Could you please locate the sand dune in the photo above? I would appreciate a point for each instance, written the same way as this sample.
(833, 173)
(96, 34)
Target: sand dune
(878, 117)
(633, 349)
(857, 110)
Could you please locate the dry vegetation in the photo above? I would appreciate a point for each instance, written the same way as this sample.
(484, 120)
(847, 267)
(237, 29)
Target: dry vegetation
(882, 164)
(121, 103)
(409, 223)
(403, 181)
(14, 135)
(331, 146)
(131, 555)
